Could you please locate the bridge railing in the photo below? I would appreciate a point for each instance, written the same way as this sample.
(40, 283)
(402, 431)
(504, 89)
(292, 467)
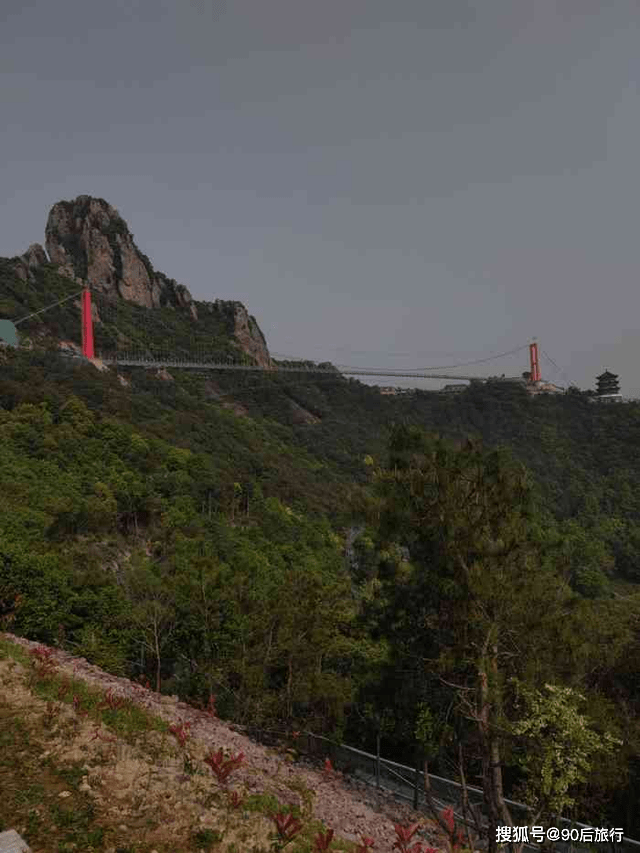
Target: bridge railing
(128, 359)
(214, 362)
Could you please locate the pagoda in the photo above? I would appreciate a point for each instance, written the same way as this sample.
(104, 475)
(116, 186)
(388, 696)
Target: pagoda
(607, 384)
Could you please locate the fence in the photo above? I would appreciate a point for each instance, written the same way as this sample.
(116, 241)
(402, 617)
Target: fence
(406, 784)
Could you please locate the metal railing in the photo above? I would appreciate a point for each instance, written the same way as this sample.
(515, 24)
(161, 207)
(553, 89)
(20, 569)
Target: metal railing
(406, 784)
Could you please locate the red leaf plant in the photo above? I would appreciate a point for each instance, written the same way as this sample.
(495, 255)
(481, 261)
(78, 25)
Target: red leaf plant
(77, 707)
(180, 731)
(235, 800)
(112, 701)
(97, 735)
(456, 836)
(51, 713)
(65, 687)
(405, 834)
(365, 845)
(43, 661)
(211, 706)
(287, 825)
(447, 816)
(322, 841)
(222, 767)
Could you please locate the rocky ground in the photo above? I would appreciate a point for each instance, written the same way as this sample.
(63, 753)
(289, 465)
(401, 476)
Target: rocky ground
(154, 788)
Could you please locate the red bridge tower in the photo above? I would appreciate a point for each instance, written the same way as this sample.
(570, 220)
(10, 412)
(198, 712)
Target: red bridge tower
(535, 366)
(87, 325)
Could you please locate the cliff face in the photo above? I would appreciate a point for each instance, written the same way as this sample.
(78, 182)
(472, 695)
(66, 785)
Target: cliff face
(90, 242)
(34, 257)
(242, 326)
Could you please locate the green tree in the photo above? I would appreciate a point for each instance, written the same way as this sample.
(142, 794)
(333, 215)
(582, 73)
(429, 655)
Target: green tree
(153, 611)
(560, 746)
(467, 517)
(36, 593)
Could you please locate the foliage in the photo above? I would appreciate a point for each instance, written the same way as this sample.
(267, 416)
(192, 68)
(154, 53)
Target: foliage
(560, 745)
(477, 566)
(154, 531)
(222, 767)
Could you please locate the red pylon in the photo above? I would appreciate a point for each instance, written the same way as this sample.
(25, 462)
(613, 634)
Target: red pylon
(535, 365)
(87, 325)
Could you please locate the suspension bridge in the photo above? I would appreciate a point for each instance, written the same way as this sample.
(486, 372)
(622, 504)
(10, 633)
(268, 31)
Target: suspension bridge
(128, 335)
(128, 360)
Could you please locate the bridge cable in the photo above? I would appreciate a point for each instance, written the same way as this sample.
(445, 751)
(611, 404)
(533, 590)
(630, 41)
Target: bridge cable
(449, 366)
(559, 369)
(53, 305)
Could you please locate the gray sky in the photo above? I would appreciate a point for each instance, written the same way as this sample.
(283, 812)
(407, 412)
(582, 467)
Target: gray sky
(437, 178)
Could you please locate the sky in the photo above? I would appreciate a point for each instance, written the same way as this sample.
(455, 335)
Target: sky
(399, 184)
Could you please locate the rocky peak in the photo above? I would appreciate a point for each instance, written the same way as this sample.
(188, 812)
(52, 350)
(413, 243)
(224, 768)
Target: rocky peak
(34, 257)
(90, 242)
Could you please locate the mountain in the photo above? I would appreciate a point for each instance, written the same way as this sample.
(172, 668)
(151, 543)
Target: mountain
(193, 528)
(89, 243)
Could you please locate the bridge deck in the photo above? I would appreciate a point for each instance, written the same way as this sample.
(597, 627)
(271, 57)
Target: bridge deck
(215, 365)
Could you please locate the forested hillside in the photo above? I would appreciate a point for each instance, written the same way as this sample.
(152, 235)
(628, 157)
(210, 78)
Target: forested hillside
(149, 527)
(454, 576)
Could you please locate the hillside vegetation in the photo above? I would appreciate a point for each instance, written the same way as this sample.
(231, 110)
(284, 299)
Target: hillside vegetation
(122, 324)
(94, 762)
(192, 529)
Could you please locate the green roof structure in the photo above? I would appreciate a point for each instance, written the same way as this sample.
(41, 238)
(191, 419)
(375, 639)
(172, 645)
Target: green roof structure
(8, 333)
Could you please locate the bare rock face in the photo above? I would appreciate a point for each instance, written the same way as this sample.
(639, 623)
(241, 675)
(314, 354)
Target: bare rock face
(90, 242)
(243, 327)
(34, 257)
(300, 415)
(249, 335)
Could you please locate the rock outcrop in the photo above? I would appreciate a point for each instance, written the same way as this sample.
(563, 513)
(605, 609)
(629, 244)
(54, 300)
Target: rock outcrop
(242, 326)
(90, 242)
(34, 257)
(300, 415)
(249, 335)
